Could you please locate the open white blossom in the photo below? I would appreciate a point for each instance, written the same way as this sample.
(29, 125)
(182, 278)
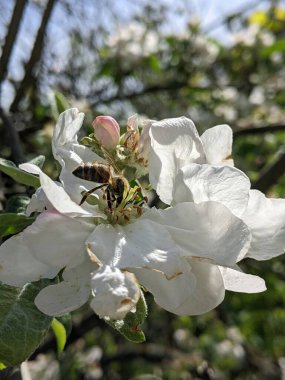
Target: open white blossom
(197, 171)
(56, 240)
(186, 255)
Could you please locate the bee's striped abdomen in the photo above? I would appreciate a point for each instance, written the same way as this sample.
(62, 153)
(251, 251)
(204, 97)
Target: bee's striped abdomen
(94, 172)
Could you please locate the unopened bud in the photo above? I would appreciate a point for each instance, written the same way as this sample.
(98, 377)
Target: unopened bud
(106, 131)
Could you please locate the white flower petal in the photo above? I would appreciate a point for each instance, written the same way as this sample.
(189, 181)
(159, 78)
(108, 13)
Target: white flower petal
(237, 281)
(116, 292)
(56, 240)
(65, 146)
(68, 295)
(57, 195)
(51, 243)
(39, 202)
(207, 230)
(224, 184)
(265, 218)
(199, 289)
(174, 144)
(140, 244)
(217, 143)
(71, 154)
(18, 266)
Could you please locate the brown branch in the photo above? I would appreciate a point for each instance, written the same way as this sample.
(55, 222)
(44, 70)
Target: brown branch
(270, 174)
(149, 352)
(13, 137)
(257, 130)
(174, 85)
(34, 58)
(11, 37)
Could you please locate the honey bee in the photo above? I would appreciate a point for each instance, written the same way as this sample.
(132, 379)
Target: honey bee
(116, 185)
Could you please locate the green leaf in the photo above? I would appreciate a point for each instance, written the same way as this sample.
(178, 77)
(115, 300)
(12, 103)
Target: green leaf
(59, 104)
(277, 46)
(60, 334)
(129, 327)
(2, 366)
(17, 204)
(22, 325)
(66, 321)
(9, 168)
(11, 224)
(39, 161)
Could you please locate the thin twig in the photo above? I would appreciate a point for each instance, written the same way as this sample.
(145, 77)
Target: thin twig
(173, 85)
(258, 130)
(270, 175)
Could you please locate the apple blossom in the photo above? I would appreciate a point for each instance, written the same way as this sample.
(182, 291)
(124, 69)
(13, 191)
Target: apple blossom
(198, 170)
(186, 255)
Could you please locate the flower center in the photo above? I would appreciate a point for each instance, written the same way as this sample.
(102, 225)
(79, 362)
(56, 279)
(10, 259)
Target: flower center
(119, 199)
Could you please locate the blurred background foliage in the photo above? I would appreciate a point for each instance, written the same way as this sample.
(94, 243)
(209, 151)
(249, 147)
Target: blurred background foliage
(157, 59)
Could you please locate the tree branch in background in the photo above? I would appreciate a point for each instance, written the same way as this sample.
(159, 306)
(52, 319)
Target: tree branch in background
(257, 130)
(11, 37)
(12, 133)
(34, 58)
(173, 85)
(270, 174)
(14, 139)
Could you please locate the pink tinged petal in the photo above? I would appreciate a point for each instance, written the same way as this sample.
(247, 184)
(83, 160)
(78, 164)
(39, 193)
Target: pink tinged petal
(199, 289)
(217, 143)
(224, 184)
(131, 137)
(237, 281)
(106, 131)
(57, 195)
(141, 244)
(116, 292)
(265, 218)
(174, 144)
(68, 295)
(133, 123)
(144, 144)
(206, 231)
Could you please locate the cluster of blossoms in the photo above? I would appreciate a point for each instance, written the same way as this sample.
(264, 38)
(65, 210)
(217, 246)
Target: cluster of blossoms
(95, 229)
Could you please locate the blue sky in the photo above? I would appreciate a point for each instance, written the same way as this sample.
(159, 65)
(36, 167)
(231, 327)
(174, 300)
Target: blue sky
(210, 13)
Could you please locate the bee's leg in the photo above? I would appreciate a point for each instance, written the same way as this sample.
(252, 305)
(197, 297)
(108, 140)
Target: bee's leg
(119, 200)
(90, 192)
(110, 198)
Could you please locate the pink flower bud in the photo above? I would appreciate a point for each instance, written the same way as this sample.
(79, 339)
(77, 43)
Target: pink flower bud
(106, 131)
